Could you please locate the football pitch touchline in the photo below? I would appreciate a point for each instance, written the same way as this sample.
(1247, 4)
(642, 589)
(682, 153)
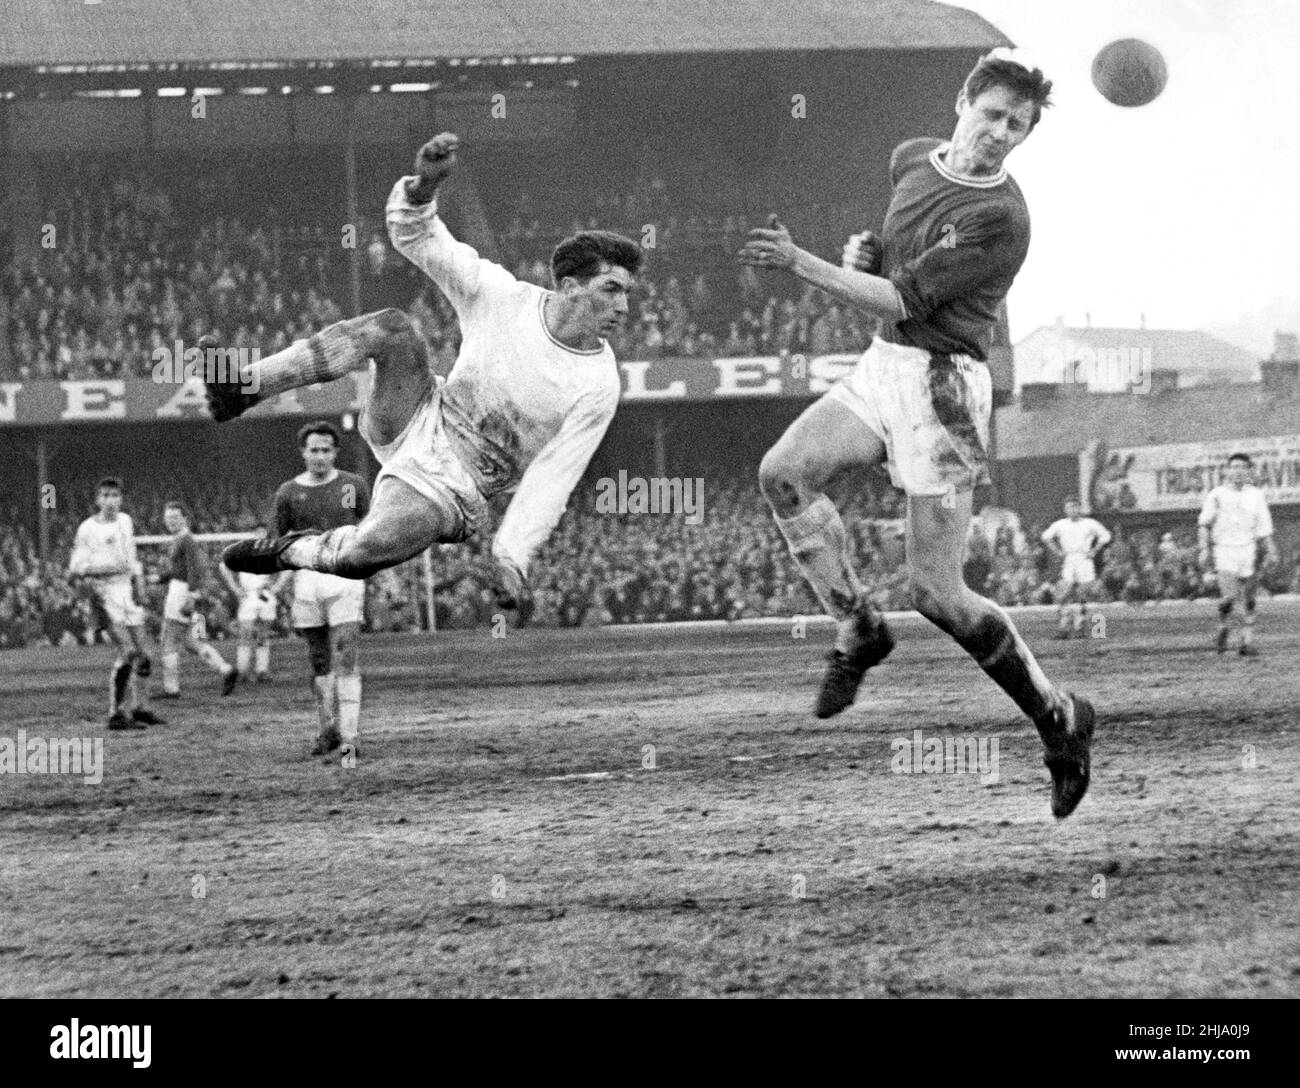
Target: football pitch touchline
(1204, 604)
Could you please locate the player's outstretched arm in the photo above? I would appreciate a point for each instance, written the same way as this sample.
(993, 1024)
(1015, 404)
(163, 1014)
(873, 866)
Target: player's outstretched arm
(772, 247)
(547, 483)
(418, 233)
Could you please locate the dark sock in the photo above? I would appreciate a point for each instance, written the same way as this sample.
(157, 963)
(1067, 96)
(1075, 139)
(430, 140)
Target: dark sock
(1000, 653)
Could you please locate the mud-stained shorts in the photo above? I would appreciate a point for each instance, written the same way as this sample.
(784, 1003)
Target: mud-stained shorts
(931, 411)
(422, 457)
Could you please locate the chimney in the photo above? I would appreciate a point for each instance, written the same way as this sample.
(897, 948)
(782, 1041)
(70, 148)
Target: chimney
(1035, 395)
(1164, 380)
(1280, 377)
(1142, 321)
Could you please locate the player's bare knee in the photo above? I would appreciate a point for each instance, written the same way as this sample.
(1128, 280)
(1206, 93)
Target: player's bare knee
(779, 479)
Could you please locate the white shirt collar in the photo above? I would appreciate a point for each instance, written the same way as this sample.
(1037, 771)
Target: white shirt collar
(936, 160)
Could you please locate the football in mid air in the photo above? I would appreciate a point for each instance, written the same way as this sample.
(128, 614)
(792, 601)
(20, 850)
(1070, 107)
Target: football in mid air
(1129, 72)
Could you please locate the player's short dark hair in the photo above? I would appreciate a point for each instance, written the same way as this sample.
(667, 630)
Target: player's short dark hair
(581, 255)
(994, 71)
(109, 483)
(321, 426)
(177, 505)
(1242, 457)
(1071, 499)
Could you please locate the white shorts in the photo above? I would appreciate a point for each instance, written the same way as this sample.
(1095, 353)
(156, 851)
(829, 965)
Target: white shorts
(1078, 570)
(174, 607)
(321, 600)
(1239, 562)
(422, 457)
(931, 412)
(252, 609)
(117, 598)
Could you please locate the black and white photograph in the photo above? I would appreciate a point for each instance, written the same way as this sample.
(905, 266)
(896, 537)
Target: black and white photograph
(554, 500)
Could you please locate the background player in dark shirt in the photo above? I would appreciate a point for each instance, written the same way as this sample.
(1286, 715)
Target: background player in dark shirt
(955, 235)
(182, 625)
(327, 609)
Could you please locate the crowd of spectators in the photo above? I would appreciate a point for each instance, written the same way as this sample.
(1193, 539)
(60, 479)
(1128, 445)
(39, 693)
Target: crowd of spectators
(600, 569)
(120, 274)
(123, 273)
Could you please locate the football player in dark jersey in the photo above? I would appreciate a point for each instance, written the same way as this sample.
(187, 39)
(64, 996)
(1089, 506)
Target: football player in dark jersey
(327, 608)
(955, 234)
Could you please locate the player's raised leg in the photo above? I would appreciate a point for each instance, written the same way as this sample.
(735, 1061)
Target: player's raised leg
(337, 350)
(402, 522)
(936, 532)
(825, 439)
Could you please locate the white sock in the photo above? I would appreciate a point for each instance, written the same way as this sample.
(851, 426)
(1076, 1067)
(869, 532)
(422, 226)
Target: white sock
(819, 545)
(263, 659)
(171, 672)
(209, 655)
(243, 658)
(349, 689)
(325, 697)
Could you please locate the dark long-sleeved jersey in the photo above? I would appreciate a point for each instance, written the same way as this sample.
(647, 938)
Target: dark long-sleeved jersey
(952, 247)
(344, 500)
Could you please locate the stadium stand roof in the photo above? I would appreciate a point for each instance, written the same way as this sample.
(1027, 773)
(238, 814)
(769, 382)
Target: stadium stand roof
(62, 32)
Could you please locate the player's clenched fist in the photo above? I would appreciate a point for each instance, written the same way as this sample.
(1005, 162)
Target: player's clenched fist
(863, 252)
(435, 161)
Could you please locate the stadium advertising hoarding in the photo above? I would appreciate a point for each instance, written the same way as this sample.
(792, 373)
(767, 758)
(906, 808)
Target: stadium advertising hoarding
(110, 400)
(1142, 479)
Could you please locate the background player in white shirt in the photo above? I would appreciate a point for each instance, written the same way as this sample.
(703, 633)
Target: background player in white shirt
(528, 401)
(258, 597)
(1076, 540)
(1235, 522)
(104, 554)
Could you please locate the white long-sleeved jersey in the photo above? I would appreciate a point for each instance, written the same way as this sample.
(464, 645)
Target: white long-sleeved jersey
(1080, 537)
(1236, 519)
(520, 409)
(105, 549)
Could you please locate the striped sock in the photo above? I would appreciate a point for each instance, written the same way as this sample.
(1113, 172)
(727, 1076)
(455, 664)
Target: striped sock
(328, 355)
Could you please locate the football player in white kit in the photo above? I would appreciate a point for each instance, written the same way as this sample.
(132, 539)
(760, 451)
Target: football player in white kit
(104, 554)
(529, 399)
(1234, 524)
(1076, 540)
(257, 595)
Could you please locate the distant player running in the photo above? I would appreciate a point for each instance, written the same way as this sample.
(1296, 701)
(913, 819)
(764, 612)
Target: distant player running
(182, 624)
(954, 237)
(257, 596)
(1235, 523)
(1075, 540)
(531, 395)
(104, 554)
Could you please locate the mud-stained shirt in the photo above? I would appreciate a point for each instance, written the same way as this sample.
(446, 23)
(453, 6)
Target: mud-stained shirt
(521, 410)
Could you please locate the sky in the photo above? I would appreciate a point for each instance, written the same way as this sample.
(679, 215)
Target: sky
(1186, 210)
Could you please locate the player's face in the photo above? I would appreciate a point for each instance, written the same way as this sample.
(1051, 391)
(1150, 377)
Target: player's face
(601, 302)
(990, 128)
(1072, 510)
(1238, 474)
(318, 454)
(174, 520)
(109, 500)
